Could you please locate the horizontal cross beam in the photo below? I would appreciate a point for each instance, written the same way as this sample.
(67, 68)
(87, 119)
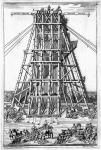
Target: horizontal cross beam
(47, 80)
(45, 61)
(46, 50)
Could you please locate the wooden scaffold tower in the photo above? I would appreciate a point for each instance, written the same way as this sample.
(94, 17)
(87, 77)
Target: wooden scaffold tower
(49, 74)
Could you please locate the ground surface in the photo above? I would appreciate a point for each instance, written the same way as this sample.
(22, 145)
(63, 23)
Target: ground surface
(58, 125)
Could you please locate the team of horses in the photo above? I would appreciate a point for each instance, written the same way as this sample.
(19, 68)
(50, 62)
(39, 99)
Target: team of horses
(36, 134)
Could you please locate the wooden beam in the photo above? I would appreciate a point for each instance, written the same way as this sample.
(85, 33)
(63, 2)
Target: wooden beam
(26, 71)
(46, 49)
(68, 71)
(45, 61)
(21, 91)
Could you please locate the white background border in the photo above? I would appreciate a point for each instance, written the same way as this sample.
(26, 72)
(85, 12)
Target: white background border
(98, 72)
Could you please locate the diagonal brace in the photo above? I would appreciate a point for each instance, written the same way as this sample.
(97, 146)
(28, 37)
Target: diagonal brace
(68, 72)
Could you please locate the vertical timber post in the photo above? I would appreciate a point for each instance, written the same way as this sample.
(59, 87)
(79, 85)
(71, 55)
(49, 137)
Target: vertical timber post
(58, 90)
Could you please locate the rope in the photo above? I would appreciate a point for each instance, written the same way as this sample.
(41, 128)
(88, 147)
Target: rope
(84, 40)
(17, 36)
(17, 42)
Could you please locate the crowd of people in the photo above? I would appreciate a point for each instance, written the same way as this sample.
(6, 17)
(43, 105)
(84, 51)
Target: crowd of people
(87, 134)
(35, 134)
(78, 111)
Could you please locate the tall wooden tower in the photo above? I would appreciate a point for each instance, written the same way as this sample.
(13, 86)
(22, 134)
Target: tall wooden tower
(49, 74)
